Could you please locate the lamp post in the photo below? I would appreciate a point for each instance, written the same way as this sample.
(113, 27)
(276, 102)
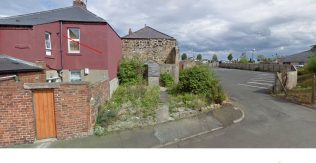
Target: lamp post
(253, 51)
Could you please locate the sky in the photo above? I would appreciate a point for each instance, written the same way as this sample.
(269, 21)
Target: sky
(204, 26)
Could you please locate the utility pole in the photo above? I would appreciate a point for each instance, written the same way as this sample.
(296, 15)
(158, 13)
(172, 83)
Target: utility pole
(313, 93)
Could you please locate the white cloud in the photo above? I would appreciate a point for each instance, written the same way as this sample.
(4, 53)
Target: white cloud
(206, 26)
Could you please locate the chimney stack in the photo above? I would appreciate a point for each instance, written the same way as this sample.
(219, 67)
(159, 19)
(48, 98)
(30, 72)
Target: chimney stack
(80, 3)
(130, 31)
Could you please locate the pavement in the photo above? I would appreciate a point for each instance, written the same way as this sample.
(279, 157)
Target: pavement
(269, 122)
(161, 135)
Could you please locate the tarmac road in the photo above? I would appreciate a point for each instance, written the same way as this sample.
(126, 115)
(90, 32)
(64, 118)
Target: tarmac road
(269, 122)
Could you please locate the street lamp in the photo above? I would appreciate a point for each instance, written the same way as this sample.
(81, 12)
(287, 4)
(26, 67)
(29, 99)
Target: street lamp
(253, 51)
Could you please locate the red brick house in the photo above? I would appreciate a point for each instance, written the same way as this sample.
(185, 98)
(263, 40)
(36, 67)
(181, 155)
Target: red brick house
(75, 44)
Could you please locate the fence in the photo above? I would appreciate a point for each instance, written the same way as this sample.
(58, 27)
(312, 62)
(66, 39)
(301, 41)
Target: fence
(259, 67)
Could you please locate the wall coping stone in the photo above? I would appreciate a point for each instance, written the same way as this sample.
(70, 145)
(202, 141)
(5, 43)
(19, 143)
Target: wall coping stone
(30, 86)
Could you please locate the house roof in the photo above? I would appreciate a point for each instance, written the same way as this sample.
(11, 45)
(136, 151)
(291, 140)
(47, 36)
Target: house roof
(148, 33)
(13, 65)
(299, 57)
(74, 13)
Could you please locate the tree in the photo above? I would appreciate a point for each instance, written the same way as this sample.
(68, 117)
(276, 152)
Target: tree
(230, 57)
(184, 56)
(260, 58)
(311, 67)
(243, 58)
(214, 58)
(199, 57)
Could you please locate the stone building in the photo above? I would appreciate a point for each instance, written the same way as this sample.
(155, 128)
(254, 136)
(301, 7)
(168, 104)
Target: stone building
(151, 45)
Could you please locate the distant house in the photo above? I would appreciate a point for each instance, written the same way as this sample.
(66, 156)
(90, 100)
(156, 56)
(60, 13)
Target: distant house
(75, 44)
(151, 45)
(299, 58)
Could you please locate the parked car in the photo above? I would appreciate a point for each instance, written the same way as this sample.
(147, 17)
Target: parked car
(299, 66)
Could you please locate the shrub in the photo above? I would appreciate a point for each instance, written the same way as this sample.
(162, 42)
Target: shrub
(166, 80)
(131, 71)
(311, 65)
(302, 71)
(99, 130)
(196, 80)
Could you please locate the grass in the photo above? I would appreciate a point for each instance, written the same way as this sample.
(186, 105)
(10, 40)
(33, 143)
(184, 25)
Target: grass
(187, 100)
(142, 99)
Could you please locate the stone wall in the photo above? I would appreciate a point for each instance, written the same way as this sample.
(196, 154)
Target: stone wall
(173, 69)
(161, 51)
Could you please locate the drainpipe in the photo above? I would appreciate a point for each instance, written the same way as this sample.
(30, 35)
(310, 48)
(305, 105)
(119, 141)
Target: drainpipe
(61, 51)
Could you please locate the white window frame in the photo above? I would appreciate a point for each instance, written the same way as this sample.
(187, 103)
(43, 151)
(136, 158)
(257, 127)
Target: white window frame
(48, 50)
(71, 40)
(75, 80)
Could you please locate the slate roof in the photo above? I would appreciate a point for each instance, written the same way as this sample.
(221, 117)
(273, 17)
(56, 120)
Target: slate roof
(148, 33)
(299, 57)
(13, 65)
(74, 13)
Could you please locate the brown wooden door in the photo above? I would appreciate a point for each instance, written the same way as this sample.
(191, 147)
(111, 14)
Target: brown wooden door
(45, 114)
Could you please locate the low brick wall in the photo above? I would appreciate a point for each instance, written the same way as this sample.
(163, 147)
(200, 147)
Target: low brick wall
(76, 107)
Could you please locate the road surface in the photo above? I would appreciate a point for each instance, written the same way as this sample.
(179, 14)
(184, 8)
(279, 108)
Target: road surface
(269, 122)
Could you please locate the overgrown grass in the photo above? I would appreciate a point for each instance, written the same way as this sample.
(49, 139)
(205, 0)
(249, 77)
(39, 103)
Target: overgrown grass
(142, 98)
(166, 80)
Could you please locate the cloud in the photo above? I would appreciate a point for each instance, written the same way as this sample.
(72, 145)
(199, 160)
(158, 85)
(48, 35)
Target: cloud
(205, 26)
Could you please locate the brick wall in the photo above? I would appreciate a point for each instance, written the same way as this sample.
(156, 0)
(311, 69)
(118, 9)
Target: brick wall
(16, 110)
(76, 108)
(72, 110)
(99, 93)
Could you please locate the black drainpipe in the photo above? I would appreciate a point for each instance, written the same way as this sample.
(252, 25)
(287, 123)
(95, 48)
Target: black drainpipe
(61, 51)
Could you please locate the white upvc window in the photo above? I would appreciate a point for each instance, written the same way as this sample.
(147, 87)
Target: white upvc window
(48, 44)
(75, 76)
(73, 40)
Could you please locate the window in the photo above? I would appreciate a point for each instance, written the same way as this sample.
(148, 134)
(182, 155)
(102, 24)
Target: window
(74, 40)
(75, 76)
(48, 44)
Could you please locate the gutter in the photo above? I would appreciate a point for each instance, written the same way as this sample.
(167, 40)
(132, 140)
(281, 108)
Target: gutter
(7, 77)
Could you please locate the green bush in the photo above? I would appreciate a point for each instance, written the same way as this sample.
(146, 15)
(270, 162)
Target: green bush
(311, 65)
(166, 80)
(196, 80)
(131, 71)
(99, 130)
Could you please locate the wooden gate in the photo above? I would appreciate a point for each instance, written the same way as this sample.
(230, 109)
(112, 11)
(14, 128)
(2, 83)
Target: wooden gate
(45, 114)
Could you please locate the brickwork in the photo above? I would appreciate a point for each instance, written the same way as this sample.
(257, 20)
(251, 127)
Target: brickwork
(161, 51)
(76, 107)
(72, 111)
(16, 110)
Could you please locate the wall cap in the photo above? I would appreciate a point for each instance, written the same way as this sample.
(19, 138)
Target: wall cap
(31, 86)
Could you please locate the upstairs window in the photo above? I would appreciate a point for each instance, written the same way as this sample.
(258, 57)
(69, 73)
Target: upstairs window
(74, 40)
(48, 44)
